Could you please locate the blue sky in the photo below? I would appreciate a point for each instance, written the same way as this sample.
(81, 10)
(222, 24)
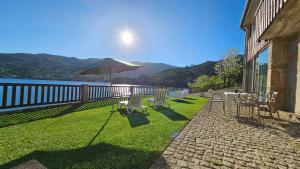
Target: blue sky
(177, 32)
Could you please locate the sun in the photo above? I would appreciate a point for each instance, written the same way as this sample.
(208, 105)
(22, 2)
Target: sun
(127, 37)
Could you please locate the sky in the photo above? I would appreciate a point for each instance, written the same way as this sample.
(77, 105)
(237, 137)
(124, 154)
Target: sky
(176, 32)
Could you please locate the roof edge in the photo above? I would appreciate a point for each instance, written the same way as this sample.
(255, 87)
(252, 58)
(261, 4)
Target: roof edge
(247, 5)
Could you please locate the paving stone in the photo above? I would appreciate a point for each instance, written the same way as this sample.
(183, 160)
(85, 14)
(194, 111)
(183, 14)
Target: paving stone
(204, 163)
(228, 164)
(236, 143)
(182, 163)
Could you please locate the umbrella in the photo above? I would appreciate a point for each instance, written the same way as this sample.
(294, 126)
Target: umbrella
(108, 66)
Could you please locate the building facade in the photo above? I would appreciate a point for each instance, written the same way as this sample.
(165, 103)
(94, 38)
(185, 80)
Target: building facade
(272, 50)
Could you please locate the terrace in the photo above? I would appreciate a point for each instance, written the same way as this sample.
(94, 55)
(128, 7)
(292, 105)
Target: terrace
(217, 140)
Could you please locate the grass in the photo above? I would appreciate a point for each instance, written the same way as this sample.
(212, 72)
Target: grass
(90, 136)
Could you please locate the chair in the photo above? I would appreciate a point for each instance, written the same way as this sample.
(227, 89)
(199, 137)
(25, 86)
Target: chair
(159, 99)
(172, 94)
(216, 98)
(133, 103)
(246, 100)
(185, 93)
(177, 95)
(270, 101)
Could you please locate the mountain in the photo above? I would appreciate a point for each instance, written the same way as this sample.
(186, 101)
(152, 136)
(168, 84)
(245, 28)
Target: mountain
(179, 77)
(55, 67)
(40, 66)
(173, 77)
(148, 68)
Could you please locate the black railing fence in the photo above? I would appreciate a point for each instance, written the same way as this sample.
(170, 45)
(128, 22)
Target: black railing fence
(15, 95)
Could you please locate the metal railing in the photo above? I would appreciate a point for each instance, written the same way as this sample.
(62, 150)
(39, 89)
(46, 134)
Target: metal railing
(17, 95)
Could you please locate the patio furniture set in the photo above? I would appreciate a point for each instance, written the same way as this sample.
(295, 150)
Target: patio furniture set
(252, 101)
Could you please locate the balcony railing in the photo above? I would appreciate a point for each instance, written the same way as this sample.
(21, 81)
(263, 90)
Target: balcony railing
(265, 15)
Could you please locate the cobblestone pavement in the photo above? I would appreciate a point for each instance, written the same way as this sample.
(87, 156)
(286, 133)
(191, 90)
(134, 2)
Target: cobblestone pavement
(215, 140)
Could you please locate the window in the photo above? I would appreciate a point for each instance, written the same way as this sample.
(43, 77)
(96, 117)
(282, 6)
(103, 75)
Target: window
(261, 72)
(250, 76)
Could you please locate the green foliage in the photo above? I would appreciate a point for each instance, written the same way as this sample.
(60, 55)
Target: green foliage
(93, 138)
(229, 69)
(203, 81)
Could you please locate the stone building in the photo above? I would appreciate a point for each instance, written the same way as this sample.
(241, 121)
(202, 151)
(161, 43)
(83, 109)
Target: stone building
(272, 50)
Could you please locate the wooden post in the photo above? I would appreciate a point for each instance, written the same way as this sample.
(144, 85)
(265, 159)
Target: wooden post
(85, 94)
(131, 90)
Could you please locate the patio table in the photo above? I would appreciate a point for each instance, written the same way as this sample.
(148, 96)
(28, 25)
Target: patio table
(227, 96)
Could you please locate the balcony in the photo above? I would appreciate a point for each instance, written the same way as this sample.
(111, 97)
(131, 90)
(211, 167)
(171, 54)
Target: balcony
(267, 12)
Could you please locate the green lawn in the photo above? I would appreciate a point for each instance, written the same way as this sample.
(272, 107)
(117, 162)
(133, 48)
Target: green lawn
(90, 136)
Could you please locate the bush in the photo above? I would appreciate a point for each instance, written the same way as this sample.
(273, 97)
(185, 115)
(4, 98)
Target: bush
(202, 83)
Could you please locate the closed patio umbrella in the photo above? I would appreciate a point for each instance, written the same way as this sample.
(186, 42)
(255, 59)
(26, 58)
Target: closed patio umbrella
(108, 66)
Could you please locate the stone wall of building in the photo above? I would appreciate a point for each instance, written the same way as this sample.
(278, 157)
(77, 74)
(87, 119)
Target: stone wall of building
(293, 72)
(278, 70)
(284, 72)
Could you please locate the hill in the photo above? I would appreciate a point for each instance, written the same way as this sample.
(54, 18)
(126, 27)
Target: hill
(55, 67)
(173, 77)
(148, 68)
(179, 77)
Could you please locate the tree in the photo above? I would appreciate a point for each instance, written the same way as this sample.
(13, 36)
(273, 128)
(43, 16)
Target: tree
(229, 68)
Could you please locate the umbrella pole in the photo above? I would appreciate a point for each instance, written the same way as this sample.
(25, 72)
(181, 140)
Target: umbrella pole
(113, 104)
(110, 81)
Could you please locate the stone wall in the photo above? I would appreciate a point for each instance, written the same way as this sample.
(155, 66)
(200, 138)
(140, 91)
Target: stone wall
(294, 73)
(284, 72)
(278, 70)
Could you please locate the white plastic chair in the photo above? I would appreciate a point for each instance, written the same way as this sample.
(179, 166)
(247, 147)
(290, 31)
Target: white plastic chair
(159, 99)
(133, 103)
(185, 93)
(178, 94)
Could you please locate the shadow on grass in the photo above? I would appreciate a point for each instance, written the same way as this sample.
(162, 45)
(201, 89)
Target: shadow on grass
(188, 98)
(182, 101)
(101, 129)
(101, 155)
(171, 114)
(25, 116)
(135, 118)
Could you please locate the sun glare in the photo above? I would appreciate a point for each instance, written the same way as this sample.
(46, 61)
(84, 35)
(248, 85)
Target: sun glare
(127, 37)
